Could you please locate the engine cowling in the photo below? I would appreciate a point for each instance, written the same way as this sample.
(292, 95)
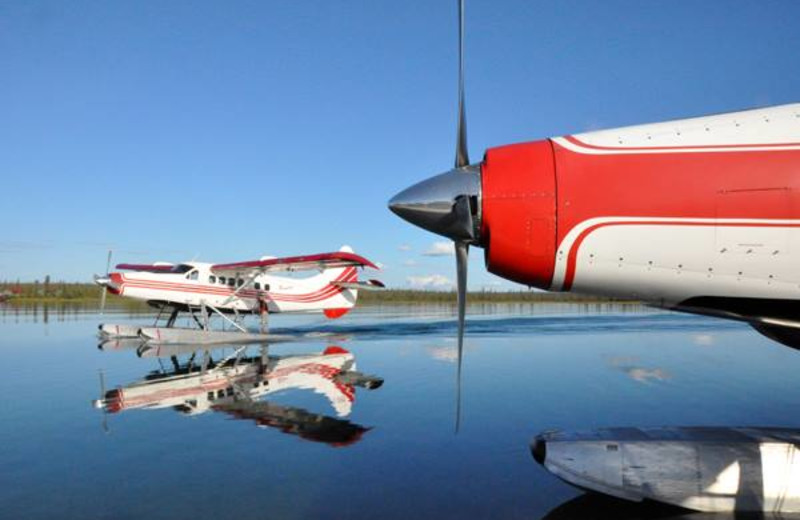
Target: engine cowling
(519, 212)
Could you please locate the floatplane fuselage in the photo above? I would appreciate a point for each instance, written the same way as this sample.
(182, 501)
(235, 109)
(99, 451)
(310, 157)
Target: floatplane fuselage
(250, 287)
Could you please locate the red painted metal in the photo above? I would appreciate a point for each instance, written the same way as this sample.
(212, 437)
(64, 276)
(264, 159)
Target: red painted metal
(716, 185)
(535, 193)
(334, 349)
(332, 314)
(519, 212)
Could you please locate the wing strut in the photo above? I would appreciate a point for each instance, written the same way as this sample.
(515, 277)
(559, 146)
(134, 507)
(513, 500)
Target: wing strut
(223, 316)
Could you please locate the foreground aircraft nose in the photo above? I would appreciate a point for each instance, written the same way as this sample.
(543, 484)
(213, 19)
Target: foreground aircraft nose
(448, 204)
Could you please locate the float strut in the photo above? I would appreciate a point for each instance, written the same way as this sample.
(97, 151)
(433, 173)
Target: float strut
(172, 318)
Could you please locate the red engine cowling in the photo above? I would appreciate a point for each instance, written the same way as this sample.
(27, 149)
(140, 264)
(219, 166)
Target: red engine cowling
(518, 226)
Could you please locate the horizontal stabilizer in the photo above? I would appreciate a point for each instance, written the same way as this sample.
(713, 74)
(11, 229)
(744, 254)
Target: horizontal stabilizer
(369, 285)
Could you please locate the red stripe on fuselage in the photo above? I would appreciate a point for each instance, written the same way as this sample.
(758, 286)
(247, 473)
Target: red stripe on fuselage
(731, 185)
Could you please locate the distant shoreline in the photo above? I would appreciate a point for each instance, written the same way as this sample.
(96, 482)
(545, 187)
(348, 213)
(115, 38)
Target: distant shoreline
(89, 294)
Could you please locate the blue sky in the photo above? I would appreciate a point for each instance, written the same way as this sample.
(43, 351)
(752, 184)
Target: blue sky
(225, 131)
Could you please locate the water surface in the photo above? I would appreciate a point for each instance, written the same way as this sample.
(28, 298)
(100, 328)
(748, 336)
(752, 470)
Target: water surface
(391, 451)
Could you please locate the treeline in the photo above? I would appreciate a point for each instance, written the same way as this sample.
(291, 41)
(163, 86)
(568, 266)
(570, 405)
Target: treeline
(403, 296)
(48, 291)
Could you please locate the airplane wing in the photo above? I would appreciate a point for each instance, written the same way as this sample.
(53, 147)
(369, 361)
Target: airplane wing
(297, 421)
(151, 268)
(295, 263)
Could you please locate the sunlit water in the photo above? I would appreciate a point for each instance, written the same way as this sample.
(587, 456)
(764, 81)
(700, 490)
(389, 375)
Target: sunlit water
(526, 369)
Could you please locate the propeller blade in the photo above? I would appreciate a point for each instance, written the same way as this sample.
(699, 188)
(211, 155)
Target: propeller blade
(462, 255)
(103, 291)
(462, 156)
(108, 263)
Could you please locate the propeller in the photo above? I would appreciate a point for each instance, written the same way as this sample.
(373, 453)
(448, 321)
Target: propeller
(103, 282)
(449, 204)
(461, 246)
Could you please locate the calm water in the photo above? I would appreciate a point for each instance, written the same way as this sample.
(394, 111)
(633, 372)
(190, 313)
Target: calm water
(307, 450)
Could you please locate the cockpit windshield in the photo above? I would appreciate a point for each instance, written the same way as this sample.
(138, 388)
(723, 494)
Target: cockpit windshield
(181, 268)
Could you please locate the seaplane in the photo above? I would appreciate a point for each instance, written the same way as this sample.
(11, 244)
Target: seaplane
(699, 215)
(202, 290)
(237, 385)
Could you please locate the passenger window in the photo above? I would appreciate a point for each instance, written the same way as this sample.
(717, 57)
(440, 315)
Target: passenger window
(192, 275)
(257, 286)
(231, 282)
(222, 280)
(212, 279)
(239, 282)
(266, 287)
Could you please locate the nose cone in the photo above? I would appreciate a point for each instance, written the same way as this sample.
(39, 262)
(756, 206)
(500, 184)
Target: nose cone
(448, 204)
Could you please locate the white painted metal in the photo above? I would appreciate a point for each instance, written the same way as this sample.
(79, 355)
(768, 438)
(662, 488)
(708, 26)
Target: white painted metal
(757, 128)
(285, 294)
(182, 336)
(109, 330)
(198, 392)
(670, 262)
(707, 469)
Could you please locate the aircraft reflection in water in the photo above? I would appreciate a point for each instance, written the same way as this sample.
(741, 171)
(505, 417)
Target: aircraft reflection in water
(234, 385)
(701, 468)
(592, 506)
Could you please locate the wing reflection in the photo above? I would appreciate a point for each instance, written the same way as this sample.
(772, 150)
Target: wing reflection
(237, 385)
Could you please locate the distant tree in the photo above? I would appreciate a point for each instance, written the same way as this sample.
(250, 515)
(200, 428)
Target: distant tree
(46, 289)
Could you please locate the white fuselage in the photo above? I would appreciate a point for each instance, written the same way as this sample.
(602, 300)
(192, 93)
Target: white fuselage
(199, 286)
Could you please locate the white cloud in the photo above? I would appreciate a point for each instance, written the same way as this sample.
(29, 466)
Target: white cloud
(440, 249)
(645, 375)
(433, 280)
(404, 247)
(704, 339)
(446, 354)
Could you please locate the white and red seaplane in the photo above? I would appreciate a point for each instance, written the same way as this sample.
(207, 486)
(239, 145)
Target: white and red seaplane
(239, 289)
